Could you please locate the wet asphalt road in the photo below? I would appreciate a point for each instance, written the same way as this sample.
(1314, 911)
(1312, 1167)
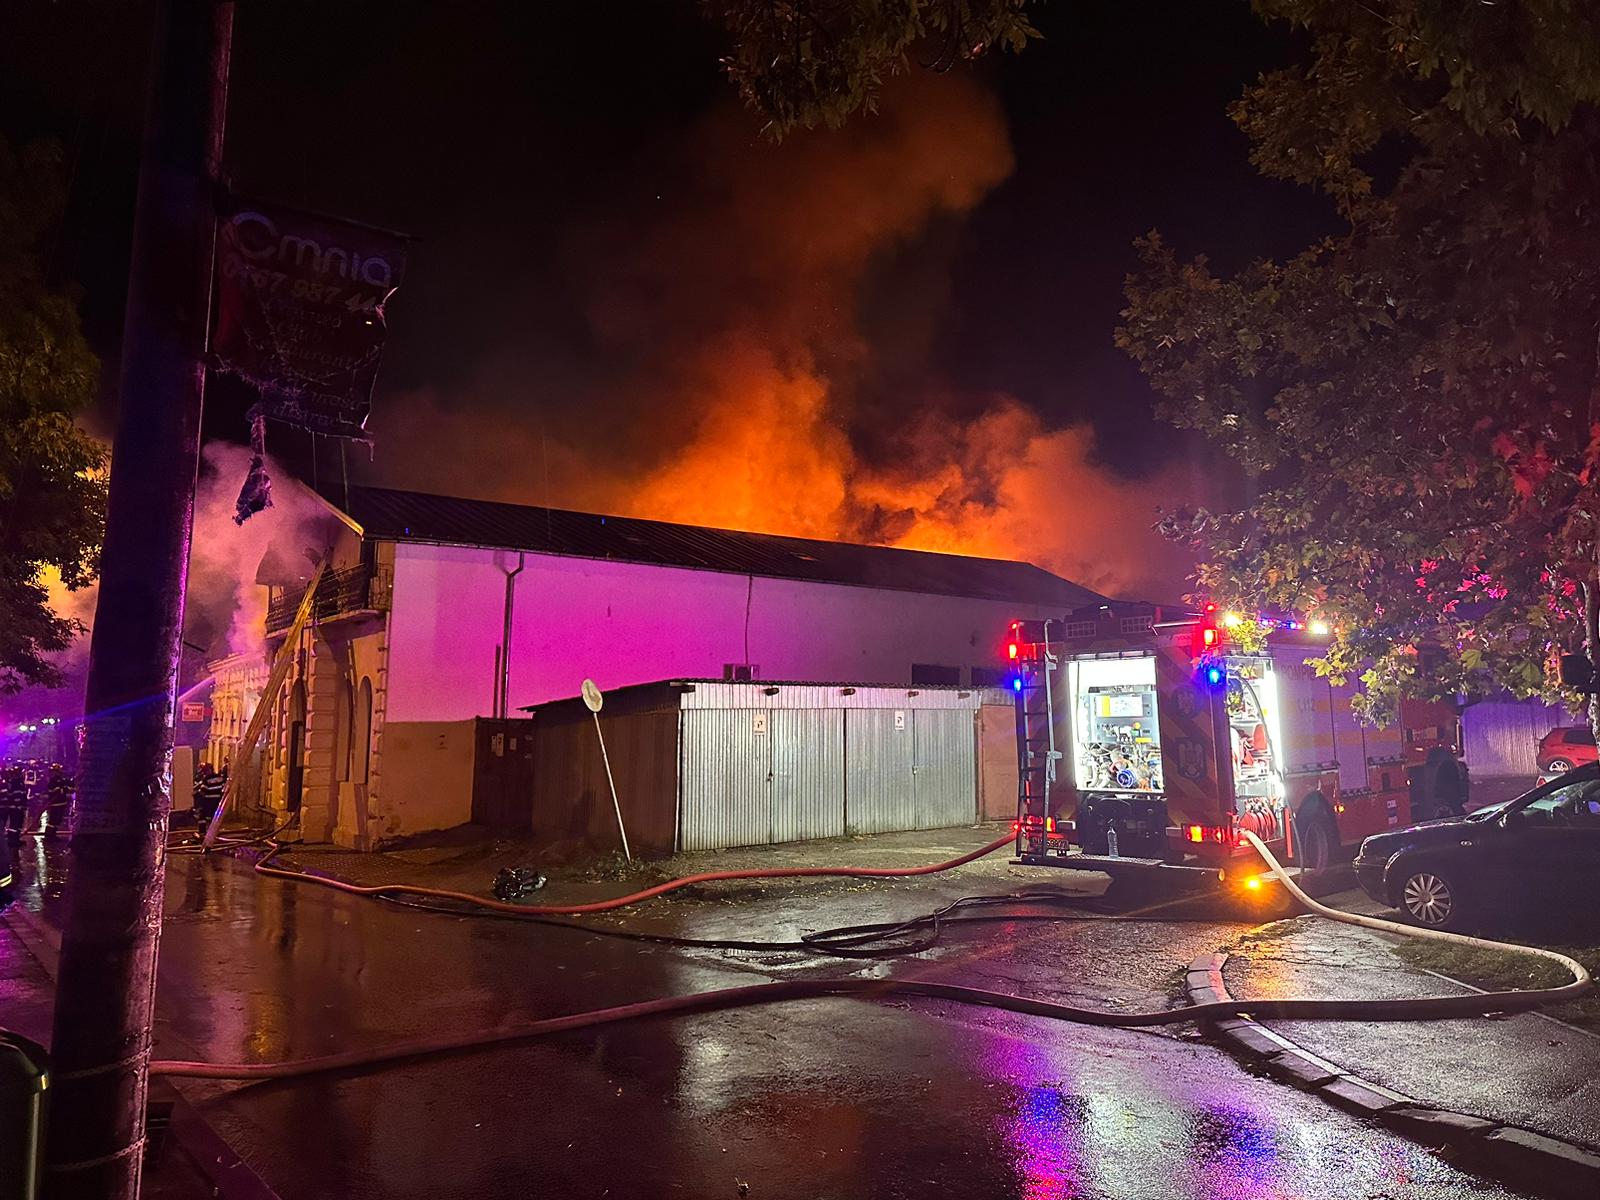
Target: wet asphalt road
(812, 1099)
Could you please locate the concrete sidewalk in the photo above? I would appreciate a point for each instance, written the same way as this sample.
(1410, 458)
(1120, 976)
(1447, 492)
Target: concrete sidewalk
(184, 1160)
(1525, 1069)
(27, 976)
(1515, 1097)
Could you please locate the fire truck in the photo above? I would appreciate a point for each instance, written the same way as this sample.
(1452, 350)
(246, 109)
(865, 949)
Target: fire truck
(1151, 738)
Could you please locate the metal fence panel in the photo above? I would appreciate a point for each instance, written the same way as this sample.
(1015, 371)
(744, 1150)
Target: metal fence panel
(1502, 737)
(878, 792)
(944, 768)
(725, 798)
(807, 774)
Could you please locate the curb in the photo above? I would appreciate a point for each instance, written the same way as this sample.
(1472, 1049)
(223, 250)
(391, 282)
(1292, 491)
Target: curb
(1510, 1153)
(39, 937)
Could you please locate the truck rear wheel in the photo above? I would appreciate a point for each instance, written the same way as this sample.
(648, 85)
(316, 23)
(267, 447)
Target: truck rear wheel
(1315, 840)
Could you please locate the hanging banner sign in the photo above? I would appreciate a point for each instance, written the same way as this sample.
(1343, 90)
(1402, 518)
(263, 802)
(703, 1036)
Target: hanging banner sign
(300, 312)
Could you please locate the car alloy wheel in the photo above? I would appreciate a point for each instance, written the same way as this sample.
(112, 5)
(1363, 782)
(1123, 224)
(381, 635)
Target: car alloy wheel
(1559, 766)
(1428, 900)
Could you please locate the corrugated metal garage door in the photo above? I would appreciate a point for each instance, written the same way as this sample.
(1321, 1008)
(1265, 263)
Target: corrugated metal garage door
(726, 793)
(807, 774)
(821, 761)
(944, 769)
(878, 792)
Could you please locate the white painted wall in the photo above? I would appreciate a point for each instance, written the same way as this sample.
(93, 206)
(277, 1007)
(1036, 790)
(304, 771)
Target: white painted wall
(625, 623)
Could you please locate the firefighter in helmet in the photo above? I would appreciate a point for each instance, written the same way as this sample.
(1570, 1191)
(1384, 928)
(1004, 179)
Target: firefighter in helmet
(57, 801)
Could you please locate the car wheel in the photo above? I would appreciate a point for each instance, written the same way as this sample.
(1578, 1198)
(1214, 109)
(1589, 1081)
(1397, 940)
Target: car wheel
(1430, 898)
(1315, 842)
(1559, 766)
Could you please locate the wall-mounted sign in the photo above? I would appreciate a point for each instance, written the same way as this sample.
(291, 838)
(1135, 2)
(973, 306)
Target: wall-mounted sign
(193, 712)
(899, 718)
(758, 722)
(300, 311)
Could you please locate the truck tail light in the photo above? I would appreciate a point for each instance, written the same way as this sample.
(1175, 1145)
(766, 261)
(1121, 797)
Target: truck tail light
(1220, 834)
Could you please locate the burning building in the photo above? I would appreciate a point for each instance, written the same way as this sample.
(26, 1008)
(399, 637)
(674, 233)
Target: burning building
(435, 612)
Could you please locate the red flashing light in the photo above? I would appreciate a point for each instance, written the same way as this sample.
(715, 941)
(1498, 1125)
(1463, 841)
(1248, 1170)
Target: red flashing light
(1011, 650)
(1208, 635)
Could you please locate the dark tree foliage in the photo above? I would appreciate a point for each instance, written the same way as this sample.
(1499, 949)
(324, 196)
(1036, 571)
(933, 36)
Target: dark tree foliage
(1417, 400)
(805, 63)
(52, 475)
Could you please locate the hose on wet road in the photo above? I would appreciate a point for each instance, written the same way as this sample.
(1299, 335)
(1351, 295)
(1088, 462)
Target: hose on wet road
(265, 867)
(1411, 1009)
(874, 939)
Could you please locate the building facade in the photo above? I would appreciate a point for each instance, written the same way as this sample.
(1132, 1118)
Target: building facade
(436, 611)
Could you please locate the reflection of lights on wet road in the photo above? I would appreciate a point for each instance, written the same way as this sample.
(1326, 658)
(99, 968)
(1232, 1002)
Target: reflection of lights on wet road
(1108, 1124)
(1044, 1131)
(1234, 1154)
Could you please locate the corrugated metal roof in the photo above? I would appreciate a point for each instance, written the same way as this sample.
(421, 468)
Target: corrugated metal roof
(419, 517)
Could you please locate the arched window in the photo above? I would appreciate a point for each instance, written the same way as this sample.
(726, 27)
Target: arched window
(361, 734)
(343, 730)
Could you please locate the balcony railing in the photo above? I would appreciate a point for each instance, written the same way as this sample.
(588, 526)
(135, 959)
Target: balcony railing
(354, 590)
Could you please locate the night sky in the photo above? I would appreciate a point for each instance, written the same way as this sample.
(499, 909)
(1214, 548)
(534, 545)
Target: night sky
(617, 279)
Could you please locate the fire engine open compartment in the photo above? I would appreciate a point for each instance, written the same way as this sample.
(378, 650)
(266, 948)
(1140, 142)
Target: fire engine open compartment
(1116, 739)
(1113, 706)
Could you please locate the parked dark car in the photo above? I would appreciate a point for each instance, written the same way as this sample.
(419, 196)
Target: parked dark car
(1541, 849)
(1565, 747)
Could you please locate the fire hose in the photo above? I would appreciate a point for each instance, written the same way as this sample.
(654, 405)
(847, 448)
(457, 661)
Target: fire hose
(1411, 1009)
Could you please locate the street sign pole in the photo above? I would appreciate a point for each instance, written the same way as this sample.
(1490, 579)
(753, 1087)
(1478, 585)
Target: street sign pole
(594, 700)
(105, 991)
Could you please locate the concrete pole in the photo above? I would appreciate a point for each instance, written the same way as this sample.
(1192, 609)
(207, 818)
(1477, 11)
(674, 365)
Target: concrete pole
(105, 996)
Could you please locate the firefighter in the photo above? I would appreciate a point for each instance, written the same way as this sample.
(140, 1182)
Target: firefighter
(208, 794)
(13, 801)
(57, 801)
(202, 772)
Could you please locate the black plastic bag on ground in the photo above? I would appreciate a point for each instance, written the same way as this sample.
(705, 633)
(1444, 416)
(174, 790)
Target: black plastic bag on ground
(513, 883)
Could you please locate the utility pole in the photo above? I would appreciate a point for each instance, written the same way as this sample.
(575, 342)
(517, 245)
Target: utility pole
(105, 996)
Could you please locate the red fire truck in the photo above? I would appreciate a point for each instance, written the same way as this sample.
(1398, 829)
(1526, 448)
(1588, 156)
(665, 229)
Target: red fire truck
(1149, 737)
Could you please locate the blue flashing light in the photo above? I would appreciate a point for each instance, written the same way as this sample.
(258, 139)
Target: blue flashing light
(1016, 683)
(1213, 675)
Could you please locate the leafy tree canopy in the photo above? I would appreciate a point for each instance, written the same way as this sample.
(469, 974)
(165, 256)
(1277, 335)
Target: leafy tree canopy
(1415, 403)
(805, 63)
(52, 479)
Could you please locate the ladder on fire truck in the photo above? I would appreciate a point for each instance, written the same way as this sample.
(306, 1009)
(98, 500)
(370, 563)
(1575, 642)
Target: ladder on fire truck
(1038, 756)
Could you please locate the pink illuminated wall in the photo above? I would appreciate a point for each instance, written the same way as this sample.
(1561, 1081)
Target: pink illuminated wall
(624, 623)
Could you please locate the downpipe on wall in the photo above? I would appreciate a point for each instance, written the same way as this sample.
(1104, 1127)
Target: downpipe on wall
(502, 692)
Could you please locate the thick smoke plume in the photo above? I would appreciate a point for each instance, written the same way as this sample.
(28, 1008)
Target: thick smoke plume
(226, 607)
(228, 562)
(728, 367)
